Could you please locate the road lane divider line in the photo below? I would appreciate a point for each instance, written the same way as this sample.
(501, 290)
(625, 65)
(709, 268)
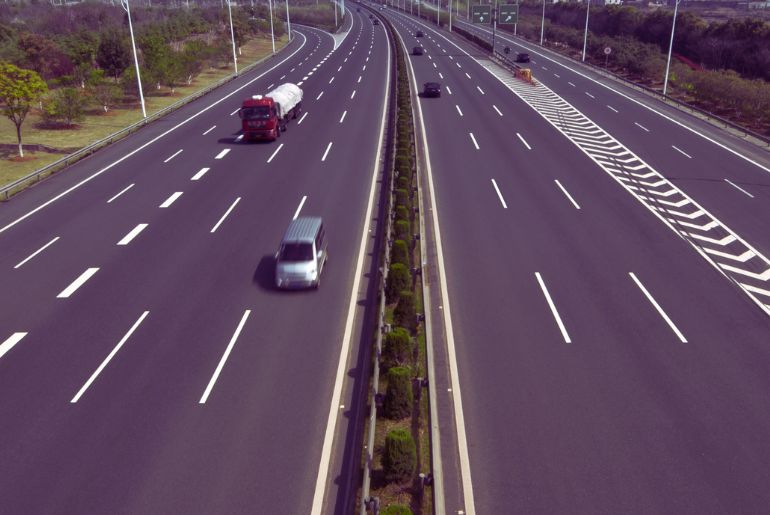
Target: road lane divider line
(658, 308)
(612, 109)
(239, 138)
(499, 195)
(567, 194)
(326, 152)
(590, 95)
(554, 311)
(449, 90)
(300, 120)
(235, 111)
(170, 200)
(497, 110)
(109, 357)
(571, 84)
(359, 79)
(77, 283)
(209, 130)
(9, 343)
(299, 208)
(728, 181)
(213, 229)
(480, 90)
(222, 154)
(222, 361)
(132, 234)
(353, 95)
(200, 174)
(685, 154)
(458, 109)
(467, 75)
(524, 141)
(331, 80)
(645, 129)
(38, 251)
(275, 152)
(342, 118)
(473, 138)
(119, 193)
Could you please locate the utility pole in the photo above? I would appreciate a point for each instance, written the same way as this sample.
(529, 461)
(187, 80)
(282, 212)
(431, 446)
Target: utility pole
(127, 8)
(670, 47)
(585, 36)
(232, 35)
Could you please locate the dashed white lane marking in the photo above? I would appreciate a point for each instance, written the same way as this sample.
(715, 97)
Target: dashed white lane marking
(497, 110)
(331, 80)
(480, 90)
(172, 156)
(571, 84)
(200, 174)
(170, 200)
(688, 156)
(590, 95)
(132, 234)
(338, 69)
(282, 77)
(319, 95)
(300, 83)
(222, 361)
(275, 152)
(612, 109)
(229, 210)
(302, 118)
(342, 118)
(458, 109)
(440, 75)
(239, 138)
(567, 194)
(121, 192)
(738, 188)
(9, 343)
(359, 79)
(299, 208)
(270, 86)
(363, 68)
(449, 90)
(38, 251)
(555, 312)
(222, 154)
(77, 283)
(346, 60)
(473, 138)
(467, 75)
(659, 309)
(235, 111)
(557, 75)
(326, 152)
(108, 358)
(499, 195)
(209, 130)
(352, 94)
(524, 141)
(434, 65)
(645, 129)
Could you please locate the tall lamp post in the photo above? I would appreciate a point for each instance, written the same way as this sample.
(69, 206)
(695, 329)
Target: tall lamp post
(232, 35)
(272, 34)
(670, 47)
(127, 8)
(542, 24)
(288, 21)
(585, 36)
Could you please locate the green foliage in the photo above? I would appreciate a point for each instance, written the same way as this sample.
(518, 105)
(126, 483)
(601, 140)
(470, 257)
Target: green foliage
(106, 94)
(113, 54)
(399, 458)
(398, 396)
(403, 231)
(403, 182)
(399, 278)
(402, 213)
(65, 105)
(399, 253)
(396, 509)
(19, 89)
(402, 197)
(405, 313)
(404, 163)
(396, 348)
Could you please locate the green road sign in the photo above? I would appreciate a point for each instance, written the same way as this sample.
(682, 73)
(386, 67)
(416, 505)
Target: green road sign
(509, 14)
(481, 13)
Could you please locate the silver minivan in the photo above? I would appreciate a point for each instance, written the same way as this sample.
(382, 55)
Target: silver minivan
(302, 254)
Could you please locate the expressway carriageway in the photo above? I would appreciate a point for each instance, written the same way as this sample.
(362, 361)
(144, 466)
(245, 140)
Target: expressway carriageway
(606, 363)
(146, 363)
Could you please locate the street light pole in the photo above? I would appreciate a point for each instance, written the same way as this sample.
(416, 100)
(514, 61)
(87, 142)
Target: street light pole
(670, 47)
(232, 35)
(288, 21)
(494, 27)
(127, 8)
(585, 36)
(438, 13)
(542, 24)
(450, 15)
(272, 33)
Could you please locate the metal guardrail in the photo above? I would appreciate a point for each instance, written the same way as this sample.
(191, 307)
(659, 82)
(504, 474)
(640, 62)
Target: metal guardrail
(19, 184)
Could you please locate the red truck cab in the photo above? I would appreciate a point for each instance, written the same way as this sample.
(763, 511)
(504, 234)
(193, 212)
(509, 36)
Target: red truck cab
(259, 118)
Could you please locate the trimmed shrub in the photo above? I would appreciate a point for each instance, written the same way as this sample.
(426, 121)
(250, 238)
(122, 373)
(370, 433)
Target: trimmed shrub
(398, 397)
(402, 213)
(399, 253)
(396, 348)
(404, 163)
(396, 509)
(405, 313)
(402, 198)
(403, 182)
(399, 278)
(400, 456)
(403, 231)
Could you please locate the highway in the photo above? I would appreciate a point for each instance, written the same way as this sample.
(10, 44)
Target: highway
(147, 364)
(610, 358)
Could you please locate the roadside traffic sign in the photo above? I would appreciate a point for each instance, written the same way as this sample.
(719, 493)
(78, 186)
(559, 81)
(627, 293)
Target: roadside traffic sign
(509, 14)
(481, 13)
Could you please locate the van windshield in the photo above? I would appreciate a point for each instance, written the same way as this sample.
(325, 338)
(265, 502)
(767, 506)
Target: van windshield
(256, 113)
(296, 252)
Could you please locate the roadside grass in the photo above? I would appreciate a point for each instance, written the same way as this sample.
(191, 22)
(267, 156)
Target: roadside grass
(98, 124)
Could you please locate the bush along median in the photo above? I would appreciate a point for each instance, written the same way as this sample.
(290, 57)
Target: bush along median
(400, 465)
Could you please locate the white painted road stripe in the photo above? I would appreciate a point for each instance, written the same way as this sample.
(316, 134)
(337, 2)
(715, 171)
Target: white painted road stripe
(449, 90)
(524, 141)
(209, 130)
(275, 152)
(303, 117)
(553, 308)
(319, 95)
(342, 118)
(467, 75)
(458, 109)
(590, 95)
(299, 208)
(567, 194)
(728, 181)
(171, 199)
(200, 174)
(612, 108)
(359, 80)
(441, 75)
(108, 358)
(331, 80)
(239, 138)
(235, 111)
(77, 283)
(213, 229)
(500, 195)
(473, 138)
(645, 129)
(10, 342)
(121, 192)
(222, 361)
(328, 147)
(222, 154)
(496, 109)
(480, 90)
(38, 251)
(657, 307)
(571, 84)
(681, 151)
(131, 235)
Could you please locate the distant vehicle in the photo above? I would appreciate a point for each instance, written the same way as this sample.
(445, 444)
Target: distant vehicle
(418, 34)
(302, 255)
(431, 89)
(418, 50)
(376, 22)
(266, 116)
(522, 57)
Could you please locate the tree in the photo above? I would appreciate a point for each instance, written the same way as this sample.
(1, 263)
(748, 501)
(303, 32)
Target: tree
(67, 105)
(113, 55)
(44, 56)
(19, 89)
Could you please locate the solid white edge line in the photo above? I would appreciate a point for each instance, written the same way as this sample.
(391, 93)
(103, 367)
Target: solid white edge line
(119, 194)
(499, 195)
(334, 408)
(10, 342)
(171, 199)
(275, 152)
(132, 234)
(299, 208)
(524, 141)
(209, 130)
(38, 251)
(77, 283)
(213, 229)
(222, 154)
(567, 194)
(738, 187)
(142, 147)
(658, 308)
(224, 357)
(553, 308)
(200, 174)
(300, 120)
(172, 156)
(328, 147)
(108, 358)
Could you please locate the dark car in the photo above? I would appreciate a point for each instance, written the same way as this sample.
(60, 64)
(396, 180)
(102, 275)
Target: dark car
(431, 89)
(376, 21)
(522, 57)
(418, 50)
(419, 34)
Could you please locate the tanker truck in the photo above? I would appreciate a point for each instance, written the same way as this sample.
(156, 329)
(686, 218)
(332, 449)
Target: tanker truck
(266, 116)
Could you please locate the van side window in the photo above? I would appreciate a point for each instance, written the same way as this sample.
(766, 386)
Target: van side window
(319, 239)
